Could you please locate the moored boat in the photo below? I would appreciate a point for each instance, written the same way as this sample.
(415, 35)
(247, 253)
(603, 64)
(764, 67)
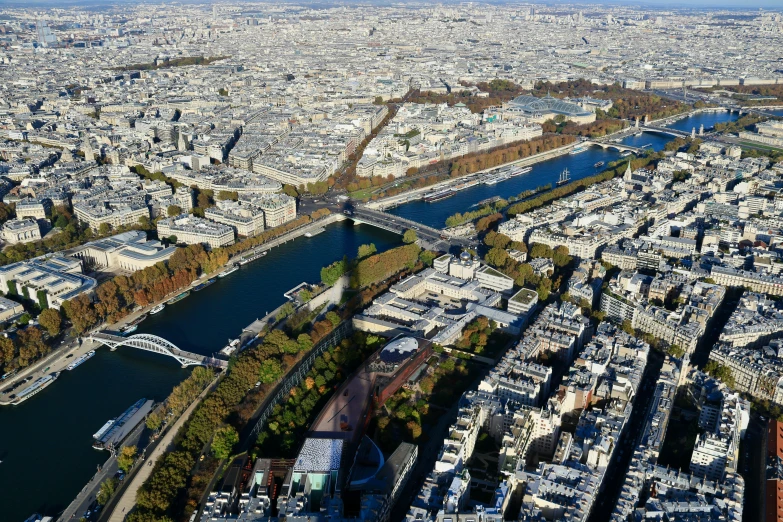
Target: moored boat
(128, 329)
(178, 297)
(245, 260)
(599, 164)
(437, 196)
(228, 271)
(38, 385)
(578, 150)
(203, 285)
(158, 309)
(112, 433)
(80, 360)
(518, 171)
(231, 347)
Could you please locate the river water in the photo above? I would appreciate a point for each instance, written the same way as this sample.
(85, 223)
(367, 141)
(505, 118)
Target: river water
(708, 119)
(45, 443)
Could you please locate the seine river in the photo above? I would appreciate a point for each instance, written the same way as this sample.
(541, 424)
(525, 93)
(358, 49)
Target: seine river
(45, 443)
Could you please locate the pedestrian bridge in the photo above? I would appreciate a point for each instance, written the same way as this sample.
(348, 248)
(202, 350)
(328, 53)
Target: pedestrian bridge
(155, 344)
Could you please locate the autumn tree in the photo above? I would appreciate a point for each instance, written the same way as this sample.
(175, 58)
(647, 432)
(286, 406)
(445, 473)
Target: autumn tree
(126, 458)
(51, 320)
(154, 421)
(81, 313)
(31, 345)
(173, 210)
(7, 350)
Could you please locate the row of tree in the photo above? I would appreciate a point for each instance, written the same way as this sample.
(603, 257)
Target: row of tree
(475, 162)
(116, 297)
(370, 267)
(181, 396)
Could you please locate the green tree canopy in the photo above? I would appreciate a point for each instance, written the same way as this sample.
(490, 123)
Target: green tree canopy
(108, 487)
(126, 458)
(224, 441)
(409, 236)
(332, 273)
(366, 250)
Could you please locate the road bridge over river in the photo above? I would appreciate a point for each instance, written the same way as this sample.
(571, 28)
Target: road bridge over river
(435, 239)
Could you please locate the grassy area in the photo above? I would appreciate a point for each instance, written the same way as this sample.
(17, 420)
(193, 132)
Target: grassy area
(760, 146)
(362, 194)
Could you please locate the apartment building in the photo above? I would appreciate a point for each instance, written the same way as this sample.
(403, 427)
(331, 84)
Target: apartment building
(193, 230)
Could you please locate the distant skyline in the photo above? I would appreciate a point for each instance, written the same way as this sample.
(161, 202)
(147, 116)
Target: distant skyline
(772, 5)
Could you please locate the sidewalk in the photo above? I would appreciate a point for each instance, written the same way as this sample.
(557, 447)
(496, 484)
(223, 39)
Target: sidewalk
(128, 500)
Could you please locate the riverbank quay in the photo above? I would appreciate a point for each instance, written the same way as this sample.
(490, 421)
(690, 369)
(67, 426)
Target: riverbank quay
(417, 194)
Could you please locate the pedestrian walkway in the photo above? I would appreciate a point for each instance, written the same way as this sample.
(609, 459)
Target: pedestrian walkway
(128, 499)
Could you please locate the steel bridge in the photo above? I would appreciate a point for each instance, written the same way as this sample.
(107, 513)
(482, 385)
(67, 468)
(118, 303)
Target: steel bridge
(155, 344)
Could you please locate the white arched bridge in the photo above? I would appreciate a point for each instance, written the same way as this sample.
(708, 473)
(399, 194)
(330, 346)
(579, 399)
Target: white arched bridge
(155, 344)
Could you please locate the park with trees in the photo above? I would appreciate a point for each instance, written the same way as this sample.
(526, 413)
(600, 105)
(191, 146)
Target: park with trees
(411, 413)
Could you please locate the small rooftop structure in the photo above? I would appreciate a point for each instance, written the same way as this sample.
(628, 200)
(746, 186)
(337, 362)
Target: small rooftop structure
(399, 349)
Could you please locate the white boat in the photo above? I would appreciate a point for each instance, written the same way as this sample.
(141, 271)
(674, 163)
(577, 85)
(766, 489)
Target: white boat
(496, 178)
(246, 260)
(80, 360)
(228, 271)
(129, 329)
(578, 150)
(518, 171)
(158, 309)
(231, 347)
(626, 154)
